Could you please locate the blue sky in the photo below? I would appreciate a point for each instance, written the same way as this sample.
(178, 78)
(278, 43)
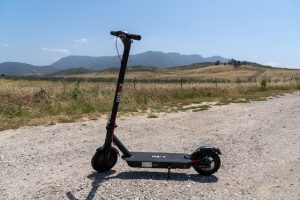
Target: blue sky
(40, 32)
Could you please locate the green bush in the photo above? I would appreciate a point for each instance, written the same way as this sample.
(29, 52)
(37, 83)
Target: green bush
(263, 84)
(40, 94)
(76, 91)
(298, 86)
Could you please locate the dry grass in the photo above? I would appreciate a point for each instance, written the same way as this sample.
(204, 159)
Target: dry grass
(24, 102)
(222, 73)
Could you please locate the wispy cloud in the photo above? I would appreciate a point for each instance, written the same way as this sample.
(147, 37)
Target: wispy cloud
(82, 41)
(57, 50)
(5, 45)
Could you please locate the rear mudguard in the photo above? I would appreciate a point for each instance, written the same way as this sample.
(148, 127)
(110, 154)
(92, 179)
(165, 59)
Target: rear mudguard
(204, 150)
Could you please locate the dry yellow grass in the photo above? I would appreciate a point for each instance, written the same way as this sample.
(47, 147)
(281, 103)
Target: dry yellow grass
(30, 102)
(209, 73)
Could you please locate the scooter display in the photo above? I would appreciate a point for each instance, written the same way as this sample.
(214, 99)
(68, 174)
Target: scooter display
(205, 160)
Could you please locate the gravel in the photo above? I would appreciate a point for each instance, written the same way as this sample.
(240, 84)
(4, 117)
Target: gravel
(260, 142)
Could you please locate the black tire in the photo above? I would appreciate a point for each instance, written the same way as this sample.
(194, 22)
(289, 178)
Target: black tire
(215, 164)
(103, 161)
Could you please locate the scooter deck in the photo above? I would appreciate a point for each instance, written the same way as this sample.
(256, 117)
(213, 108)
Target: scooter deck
(158, 160)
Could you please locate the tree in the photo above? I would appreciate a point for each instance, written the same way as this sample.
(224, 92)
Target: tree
(217, 62)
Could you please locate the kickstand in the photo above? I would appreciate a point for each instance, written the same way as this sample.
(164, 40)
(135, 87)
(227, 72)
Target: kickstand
(169, 171)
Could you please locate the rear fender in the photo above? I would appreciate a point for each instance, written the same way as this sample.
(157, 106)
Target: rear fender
(204, 150)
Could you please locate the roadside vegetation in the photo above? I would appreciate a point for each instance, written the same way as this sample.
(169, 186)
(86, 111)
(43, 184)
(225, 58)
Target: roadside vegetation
(25, 102)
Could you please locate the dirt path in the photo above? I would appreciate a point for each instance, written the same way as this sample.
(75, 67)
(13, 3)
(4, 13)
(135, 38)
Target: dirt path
(260, 142)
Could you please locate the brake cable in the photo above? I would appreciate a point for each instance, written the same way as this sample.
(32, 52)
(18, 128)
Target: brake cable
(118, 49)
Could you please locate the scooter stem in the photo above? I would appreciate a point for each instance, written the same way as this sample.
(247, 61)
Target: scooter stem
(110, 137)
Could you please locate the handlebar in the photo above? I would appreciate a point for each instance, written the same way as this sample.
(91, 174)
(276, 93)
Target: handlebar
(126, 35)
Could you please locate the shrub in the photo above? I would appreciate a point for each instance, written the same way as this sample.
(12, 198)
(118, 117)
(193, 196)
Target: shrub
(263, 84)
(76, 91)
(40, 95)
(298, 86)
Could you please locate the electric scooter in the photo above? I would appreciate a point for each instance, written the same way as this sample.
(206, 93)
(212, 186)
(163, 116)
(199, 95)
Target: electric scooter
(205, 160)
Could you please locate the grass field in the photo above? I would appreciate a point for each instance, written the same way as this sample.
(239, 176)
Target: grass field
(220, 73)
(24, 102)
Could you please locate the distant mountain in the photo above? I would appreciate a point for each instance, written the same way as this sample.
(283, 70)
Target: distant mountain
(23, 69)
(149, 58)
(81, 61)
(71, 71)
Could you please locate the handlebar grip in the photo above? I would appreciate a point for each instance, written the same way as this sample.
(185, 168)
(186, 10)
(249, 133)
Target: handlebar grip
(126, 35)
(134, 36)
(115, 33)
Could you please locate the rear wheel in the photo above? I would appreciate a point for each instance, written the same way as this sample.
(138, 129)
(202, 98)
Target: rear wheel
(213, 164)
(104, 160)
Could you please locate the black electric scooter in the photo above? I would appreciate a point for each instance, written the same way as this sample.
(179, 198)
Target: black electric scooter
(205, 159)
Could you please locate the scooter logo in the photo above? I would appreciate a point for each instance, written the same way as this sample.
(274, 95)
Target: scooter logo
(119, 91)
(158, 156)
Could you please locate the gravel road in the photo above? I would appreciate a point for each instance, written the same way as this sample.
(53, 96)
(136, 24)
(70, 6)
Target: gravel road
(260, 142)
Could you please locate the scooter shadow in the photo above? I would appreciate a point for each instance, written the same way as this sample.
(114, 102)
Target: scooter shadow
(99, 178)
(146, 175)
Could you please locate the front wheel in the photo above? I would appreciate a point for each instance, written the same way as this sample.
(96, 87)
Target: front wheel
(212, 161)
(103, 160)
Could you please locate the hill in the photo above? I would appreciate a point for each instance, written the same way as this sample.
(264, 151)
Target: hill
(23, 69)
(200, 71)
(72, 71)
(149, 58)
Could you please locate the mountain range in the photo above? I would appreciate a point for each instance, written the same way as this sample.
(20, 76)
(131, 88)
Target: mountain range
(149, 58)
(23, 69)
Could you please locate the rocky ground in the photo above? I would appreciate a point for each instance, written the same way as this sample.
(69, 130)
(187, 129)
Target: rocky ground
(260, 142)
